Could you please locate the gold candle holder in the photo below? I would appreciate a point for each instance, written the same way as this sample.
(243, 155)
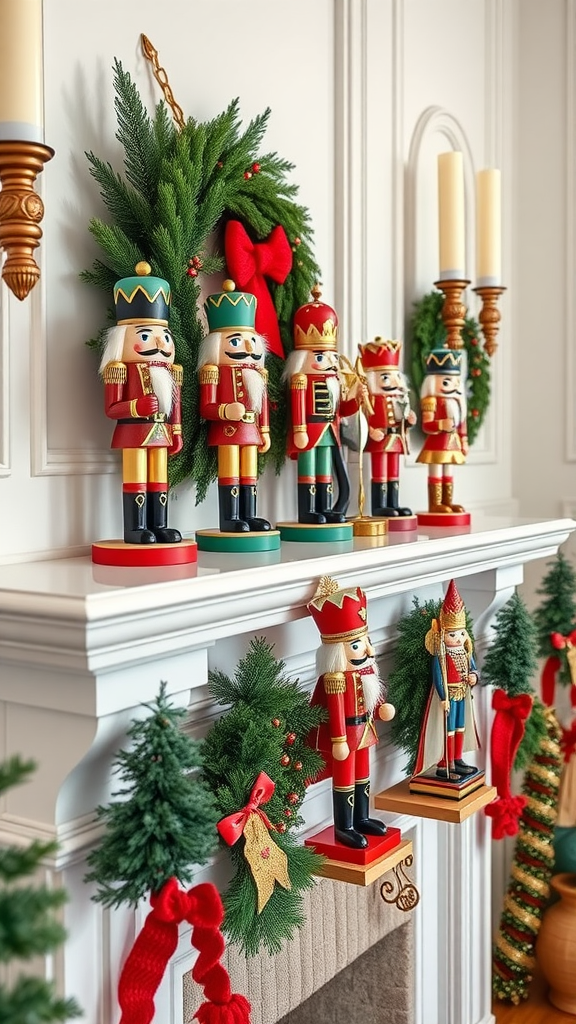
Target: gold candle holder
(453, 310)
(490, 315)
(21, 211)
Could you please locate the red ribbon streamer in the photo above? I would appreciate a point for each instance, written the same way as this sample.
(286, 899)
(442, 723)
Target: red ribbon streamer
(249, 263)
(144, 969)
(507, 732)
(552, 666)
(568, 741)
(232, 827)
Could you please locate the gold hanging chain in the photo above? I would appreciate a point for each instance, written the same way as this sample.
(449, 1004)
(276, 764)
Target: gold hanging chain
(162, 78)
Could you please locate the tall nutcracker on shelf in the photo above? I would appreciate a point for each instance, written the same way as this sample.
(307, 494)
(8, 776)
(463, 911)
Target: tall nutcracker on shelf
(234, 401)
(350, 689)
(319, 397)
(142, 387)
(443, 420)
(388, 427)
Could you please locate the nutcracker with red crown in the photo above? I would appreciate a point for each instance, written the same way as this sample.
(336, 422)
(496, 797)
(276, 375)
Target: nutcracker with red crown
(350, 689)
(449, 726)
(443, 406)
(319, 397)
(388, 426)
(142, 388)
(234, 401)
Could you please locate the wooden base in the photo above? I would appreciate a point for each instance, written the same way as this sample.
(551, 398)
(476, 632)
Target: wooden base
(216, 540)
(327, 533)
(429, 784)
(444, 519)
(324, 842)
(117, 552)
(400, 800)
(358, 874)
(399, 524)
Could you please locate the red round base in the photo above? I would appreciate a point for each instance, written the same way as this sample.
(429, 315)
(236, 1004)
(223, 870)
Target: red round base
(398, 524)
(449, 519)
(116, 552)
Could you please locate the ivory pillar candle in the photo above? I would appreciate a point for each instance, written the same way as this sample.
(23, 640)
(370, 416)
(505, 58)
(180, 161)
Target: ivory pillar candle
(488, 229)
(21, 71)
(451, 215)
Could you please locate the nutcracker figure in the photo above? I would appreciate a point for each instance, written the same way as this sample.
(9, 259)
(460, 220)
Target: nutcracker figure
(351, 690)
(449, 727)
(234, 400)
(317, 403)
(388, 424)
(443, 405)
(142, 388)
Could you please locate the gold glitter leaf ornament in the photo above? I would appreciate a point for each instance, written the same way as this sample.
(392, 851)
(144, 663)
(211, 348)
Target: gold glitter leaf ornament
(268, 863)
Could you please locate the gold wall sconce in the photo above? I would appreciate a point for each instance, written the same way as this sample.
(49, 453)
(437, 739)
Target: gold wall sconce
(23, 152)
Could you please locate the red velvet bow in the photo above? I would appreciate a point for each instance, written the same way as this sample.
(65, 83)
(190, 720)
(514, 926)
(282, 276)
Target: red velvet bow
(507, 732)
(568, 741)
(249, 263)
(144, 969)
(232, 827)
(560, 642)
(519, 706)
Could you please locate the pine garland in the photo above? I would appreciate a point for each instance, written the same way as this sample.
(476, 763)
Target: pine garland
(557, 612)
(532, 866)
(428, 332)
(174, 195)
(411, 677)
(265, 729)
(28, 923)
(164, 822)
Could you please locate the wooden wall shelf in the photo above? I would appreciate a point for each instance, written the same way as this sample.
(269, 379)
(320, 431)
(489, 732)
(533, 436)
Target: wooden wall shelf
(400, 800)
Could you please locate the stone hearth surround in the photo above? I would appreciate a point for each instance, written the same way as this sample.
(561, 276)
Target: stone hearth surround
(80, 650)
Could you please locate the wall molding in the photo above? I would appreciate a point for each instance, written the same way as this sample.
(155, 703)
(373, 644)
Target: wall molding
(5, 467)
(570, 256)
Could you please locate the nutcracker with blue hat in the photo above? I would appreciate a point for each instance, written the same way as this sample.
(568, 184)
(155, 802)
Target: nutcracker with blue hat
(142, 387)
(443, 407)
(234, 402)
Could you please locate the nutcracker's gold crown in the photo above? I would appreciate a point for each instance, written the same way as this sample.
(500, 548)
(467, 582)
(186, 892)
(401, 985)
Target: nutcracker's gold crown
(380, 354)
(452, 613)
(316, 325)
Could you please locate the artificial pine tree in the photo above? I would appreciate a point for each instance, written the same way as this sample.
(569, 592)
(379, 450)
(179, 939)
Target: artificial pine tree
(556, 614)
(28, 925)
(166, 824)
(168, 206)
(264, 730)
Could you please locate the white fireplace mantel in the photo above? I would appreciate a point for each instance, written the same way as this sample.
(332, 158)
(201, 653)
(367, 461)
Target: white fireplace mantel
(81, 647)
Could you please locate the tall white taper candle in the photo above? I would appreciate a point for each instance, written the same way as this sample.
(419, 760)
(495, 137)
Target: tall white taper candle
(488, 229)
(451, 215)
(21, 71)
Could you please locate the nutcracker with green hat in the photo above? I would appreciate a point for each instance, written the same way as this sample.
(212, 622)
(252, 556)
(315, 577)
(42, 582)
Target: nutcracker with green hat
(234, 401)
(443, 406)
(142, 388)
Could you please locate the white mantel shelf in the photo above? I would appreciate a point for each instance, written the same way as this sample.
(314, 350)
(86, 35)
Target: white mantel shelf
(83, 646)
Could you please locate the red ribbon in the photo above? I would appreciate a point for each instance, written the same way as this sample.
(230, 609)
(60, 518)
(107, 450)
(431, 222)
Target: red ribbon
(568, 741)
(232, 827)
(249, 263)
(144, 969)
(560, 642)
(507, 732)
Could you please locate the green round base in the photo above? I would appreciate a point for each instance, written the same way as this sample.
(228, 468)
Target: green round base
(325, 534)
(215, 540)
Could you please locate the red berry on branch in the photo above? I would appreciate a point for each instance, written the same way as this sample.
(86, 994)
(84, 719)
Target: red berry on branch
(297, 766)
(284, 760)
(247, 174)
(292, 798)
(192, 272)
(276, 723)
(296, 241)
(475, 412)
(291, 739)
(219, 165)
(256, 168)
(474, 341)
(281, 827)
(287, 812)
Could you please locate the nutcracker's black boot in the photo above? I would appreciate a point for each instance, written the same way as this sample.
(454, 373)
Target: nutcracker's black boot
(393, 499)
(324, 494)
(229, 508)
(362, 822)
(158, 518)
(461, 768)
(248, 494)
(307, 506)
(379, 505)
(344, 831)
(135, 529)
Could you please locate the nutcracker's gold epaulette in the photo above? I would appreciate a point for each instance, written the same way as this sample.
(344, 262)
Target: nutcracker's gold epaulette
(177, 374)
(115, 373)
(428, 404)
(263, 371)
(335, 682)
(298, 382)
(209, 374)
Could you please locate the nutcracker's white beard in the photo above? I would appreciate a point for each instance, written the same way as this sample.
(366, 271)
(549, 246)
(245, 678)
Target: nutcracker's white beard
(255, 386)
(163, 384)
(456, 409)
(372, 686)
(333, 385)
(332, 658)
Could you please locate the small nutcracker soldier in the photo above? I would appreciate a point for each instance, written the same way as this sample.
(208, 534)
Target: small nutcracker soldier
(443, 405)
(388, 424)
(317, 404)
(234, 399)
(142, 388)
(449, 726)
(351, 690)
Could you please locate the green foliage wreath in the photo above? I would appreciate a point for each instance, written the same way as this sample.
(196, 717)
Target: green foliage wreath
(168, 206)
(428, 332)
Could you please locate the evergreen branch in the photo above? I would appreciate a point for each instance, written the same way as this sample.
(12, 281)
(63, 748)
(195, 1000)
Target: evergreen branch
(130, 209)
(122, 252)
(34, 1001)
(140, 139)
